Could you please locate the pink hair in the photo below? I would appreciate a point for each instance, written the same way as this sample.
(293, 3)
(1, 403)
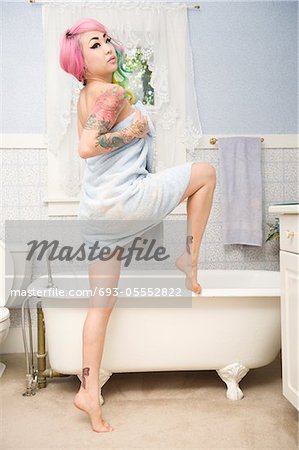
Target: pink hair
(71, 57)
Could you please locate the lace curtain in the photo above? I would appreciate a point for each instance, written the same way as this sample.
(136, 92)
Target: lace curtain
(161, 30)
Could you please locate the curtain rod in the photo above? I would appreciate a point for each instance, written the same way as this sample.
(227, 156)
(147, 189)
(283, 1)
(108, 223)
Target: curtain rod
(48, 1)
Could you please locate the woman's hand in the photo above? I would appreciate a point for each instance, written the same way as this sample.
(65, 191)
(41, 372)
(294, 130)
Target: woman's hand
(140, 125)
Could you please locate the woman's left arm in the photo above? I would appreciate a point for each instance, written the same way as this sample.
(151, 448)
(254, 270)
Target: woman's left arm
(109, 101)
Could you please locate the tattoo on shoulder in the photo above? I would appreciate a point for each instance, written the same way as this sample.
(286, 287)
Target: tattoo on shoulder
(107, 106)
(95, 123)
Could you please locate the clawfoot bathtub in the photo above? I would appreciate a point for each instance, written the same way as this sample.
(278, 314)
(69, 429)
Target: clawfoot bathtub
(232, 327)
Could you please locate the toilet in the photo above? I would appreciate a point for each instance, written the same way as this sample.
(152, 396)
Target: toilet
(15, 273)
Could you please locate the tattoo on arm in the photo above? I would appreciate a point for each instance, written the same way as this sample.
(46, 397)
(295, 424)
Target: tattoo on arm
(106, 109)
(110, 141)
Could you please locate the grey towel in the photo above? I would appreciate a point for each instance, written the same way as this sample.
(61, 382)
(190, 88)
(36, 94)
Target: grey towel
(241, 190)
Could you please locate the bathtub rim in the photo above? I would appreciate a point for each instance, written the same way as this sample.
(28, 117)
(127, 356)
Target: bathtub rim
(42, 281)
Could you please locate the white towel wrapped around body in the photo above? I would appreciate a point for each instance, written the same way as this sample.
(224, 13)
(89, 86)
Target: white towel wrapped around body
(121, 197)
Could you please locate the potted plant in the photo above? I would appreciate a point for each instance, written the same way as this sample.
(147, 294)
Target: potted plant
(273, 232)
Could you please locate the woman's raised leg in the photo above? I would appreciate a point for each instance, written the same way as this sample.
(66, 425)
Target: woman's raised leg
(102, 274)
(200, 193)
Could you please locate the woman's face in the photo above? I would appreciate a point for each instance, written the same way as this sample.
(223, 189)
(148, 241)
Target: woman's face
(97, 50)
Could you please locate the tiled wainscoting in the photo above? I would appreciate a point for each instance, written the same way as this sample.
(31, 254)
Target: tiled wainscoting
(24, 187)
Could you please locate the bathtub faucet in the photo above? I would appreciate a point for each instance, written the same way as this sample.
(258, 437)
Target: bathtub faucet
(49, 270)
(50, 278)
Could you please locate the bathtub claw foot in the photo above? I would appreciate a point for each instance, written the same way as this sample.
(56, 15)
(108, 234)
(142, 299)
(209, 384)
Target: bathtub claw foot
(104, 377)
(232, 375)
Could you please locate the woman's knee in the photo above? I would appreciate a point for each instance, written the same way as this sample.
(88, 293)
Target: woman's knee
(101, 306)
(212, 174)
(204, 173)
(201, 174)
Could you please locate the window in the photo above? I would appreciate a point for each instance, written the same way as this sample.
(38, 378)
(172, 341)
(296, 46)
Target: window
(137, 60)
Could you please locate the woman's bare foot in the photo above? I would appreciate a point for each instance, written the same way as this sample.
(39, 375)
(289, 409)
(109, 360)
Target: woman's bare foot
(183, 263)
(84, 402)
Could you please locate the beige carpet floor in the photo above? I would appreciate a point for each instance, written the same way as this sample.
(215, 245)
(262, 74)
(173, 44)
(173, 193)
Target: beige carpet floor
(152, 410)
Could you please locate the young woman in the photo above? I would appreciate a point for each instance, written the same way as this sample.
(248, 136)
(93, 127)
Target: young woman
(114, 138)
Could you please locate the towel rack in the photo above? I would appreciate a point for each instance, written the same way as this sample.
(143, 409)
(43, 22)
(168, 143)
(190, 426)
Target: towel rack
(214, 140)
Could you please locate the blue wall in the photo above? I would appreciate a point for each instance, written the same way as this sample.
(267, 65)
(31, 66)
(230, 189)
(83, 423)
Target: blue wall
(245, 62)
(22, 81)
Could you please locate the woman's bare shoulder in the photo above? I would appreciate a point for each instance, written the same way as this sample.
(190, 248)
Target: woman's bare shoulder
(99, 87)
(94, 89)
(93, 93)
(87, 97)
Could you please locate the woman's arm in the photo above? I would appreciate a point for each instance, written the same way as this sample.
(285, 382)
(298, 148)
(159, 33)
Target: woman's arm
(111, 141)
(94, 138)
(108, 104)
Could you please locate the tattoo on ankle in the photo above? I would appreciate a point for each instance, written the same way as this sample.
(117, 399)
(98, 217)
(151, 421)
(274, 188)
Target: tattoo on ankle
(85, 372)
(189, 240)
